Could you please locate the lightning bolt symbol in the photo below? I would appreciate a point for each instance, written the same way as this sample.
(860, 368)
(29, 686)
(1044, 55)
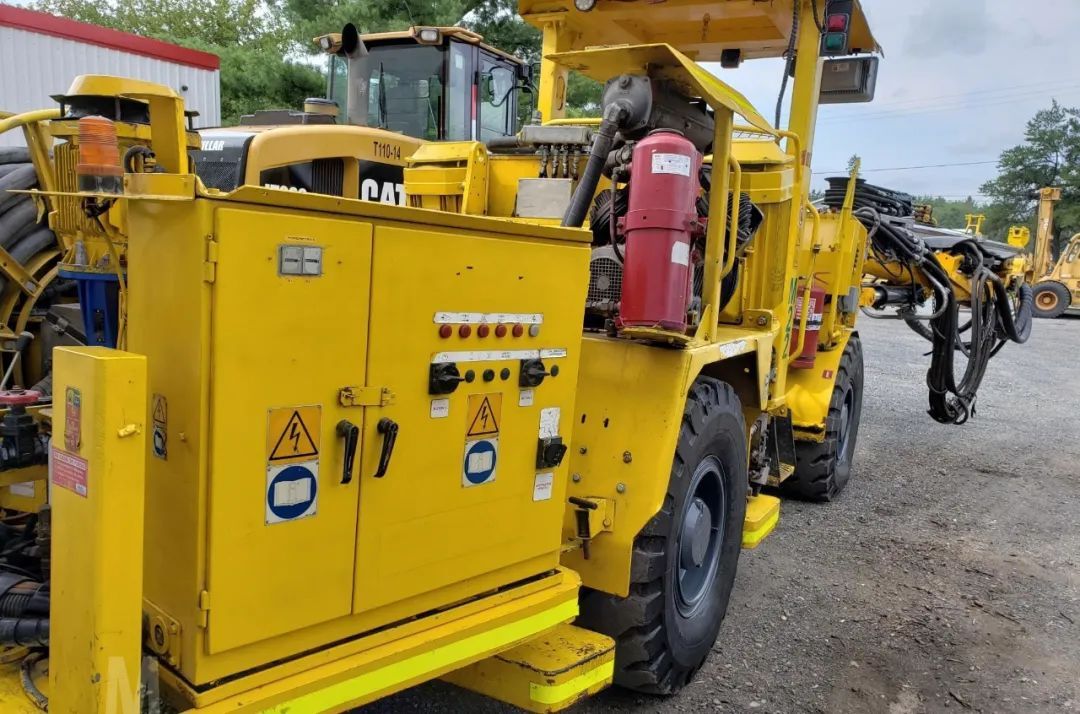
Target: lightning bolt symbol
(294, 434)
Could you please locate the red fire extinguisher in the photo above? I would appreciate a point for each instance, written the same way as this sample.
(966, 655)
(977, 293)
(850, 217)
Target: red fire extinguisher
(805, 360)
(658, 276)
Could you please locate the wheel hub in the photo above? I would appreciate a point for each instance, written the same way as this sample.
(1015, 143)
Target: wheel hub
(1047, 300)
(696, 534)
(847, 414)
(700, 536)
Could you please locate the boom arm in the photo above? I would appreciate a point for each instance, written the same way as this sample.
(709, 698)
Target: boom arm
(1045, 230)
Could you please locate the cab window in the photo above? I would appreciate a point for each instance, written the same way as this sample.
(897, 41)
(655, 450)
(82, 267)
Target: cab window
(498, 98)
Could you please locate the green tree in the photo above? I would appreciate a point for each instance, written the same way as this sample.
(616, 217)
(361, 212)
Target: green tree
(1049, 156)
(251, 37)
(854, 160)
(266, 46)
(951, 213)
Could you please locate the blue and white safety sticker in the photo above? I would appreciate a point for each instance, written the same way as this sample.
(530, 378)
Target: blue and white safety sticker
(481, 458)
(292, 491)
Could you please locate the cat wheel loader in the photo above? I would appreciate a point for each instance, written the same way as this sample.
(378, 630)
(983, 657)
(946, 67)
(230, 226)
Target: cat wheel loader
(513, 434)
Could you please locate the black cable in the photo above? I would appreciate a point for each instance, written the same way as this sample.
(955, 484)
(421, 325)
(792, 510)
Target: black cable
(817, 18)
(789, 54)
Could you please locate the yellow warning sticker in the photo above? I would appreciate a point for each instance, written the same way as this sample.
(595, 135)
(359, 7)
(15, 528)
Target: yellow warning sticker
(292, 434)
(485, 413)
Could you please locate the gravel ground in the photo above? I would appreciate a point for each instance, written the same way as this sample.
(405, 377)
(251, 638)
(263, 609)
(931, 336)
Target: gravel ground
(946, 577)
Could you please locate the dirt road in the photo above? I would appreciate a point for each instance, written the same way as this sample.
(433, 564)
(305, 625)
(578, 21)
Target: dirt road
(946, 577)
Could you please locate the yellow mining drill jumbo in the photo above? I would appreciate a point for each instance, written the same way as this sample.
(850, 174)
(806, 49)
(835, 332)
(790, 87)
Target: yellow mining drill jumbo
(349, 446)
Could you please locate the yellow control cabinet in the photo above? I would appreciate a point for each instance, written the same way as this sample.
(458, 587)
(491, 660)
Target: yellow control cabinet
(359, 415)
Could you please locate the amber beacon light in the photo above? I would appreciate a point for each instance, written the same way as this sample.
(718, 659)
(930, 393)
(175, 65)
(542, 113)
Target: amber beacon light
(99, 168)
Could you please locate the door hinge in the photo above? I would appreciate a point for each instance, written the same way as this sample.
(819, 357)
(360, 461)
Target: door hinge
(365, 396)
(204, 609)
(210, 264)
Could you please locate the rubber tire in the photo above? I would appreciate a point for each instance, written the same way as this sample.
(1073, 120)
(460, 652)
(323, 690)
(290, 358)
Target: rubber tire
(1064, 299)
(14, 155)
(821, 471)
(658, 651)
(21, 178)
(15, 222)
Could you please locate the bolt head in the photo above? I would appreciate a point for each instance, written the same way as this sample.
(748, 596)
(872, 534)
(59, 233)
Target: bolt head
(627, 457)
(576, 478)
(620, 487)
(583, 450)
(762, 321)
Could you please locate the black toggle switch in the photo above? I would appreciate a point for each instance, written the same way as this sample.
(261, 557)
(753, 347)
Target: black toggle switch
(443, 378)
(533, 373)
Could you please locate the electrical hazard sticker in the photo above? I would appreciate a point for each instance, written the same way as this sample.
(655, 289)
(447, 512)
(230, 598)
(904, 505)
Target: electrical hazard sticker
(484, 415)
(160, 414)
(292, 434)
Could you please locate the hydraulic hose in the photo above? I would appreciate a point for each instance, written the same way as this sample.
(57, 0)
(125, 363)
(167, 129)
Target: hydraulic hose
(594, 169)
(21, 596)
(993, 319)
(30, 632)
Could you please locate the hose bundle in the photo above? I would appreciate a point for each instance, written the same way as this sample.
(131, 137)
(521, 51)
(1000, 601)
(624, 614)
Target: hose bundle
(21, 232)
(995, 319)
(883, 200)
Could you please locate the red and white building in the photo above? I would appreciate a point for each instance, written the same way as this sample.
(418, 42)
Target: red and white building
(40, 54)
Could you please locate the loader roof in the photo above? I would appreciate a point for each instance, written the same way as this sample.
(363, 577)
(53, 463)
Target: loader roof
(700, 29)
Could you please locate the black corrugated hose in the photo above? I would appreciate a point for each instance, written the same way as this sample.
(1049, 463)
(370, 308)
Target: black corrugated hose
(995, 320)
(594, 168)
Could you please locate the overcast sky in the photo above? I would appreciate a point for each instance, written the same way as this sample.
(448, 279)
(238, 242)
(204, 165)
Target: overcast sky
(959, 80)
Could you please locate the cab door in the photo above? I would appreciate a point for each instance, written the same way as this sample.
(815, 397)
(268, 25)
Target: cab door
(289, 331)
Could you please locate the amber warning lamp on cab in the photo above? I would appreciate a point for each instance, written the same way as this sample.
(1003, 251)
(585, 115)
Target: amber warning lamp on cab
(99, 168)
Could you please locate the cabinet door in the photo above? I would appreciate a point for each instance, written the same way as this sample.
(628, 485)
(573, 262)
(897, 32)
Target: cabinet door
(463, 503)
(289, 330)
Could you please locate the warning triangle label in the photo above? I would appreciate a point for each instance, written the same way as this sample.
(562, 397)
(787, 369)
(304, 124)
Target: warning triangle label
(294, 441)
(485, 418)
(161, 414)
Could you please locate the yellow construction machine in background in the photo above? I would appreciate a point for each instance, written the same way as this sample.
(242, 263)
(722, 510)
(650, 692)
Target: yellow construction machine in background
(350, 445)
(1057, 283)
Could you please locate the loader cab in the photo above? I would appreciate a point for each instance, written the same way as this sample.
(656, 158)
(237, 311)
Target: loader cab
(431, 83)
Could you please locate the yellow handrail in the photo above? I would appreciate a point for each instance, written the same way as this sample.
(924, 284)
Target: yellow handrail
(815, 241)
(733, 233)
(16, 120)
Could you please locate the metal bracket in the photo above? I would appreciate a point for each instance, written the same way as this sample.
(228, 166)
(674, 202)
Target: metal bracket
(592, 516)
(365, 396)
(14, 270)
(161, 633)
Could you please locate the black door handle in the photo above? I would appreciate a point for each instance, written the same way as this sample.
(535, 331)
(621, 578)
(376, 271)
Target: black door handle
(351, 433)
(389, 429)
